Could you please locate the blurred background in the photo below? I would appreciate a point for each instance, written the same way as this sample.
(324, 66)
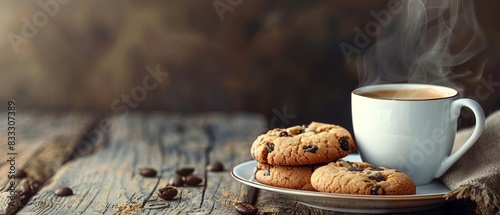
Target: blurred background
(279, 58)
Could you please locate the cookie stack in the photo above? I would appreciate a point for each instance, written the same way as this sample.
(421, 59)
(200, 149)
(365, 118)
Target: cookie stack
(288, 156)
(309, 158)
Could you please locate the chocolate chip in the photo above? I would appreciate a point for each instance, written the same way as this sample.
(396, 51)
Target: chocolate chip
(270, 147)
(344, 144)
(147, 172)
(63, 191)
(185, 171)
(176, 181)
(267, 172)
(20, 174)
(167, 193)
(310, 148)
(356, 169)
(245, 208)
(215, 167)
(375, 190)
(345, 163)
(378, 169)
(192, 180)
(378, 177)
(283, 134)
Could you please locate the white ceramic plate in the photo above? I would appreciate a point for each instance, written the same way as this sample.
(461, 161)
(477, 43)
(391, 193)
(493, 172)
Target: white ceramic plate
(428, 196)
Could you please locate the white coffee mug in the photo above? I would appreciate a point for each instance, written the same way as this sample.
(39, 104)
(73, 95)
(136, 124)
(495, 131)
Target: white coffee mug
(411, 127)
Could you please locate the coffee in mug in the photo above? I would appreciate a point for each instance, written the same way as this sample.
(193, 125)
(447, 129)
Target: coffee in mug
(411, 127)
(405, 94)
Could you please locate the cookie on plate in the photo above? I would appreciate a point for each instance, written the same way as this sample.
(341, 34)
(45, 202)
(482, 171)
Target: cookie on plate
(292, 177)
(361, 178)
(302, 145)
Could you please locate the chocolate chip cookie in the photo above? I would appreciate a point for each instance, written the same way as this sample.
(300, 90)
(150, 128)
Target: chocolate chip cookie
(361, 178)
(302, 145)
(292, 177)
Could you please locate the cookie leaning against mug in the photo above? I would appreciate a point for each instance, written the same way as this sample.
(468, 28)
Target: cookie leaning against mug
(292, 177)
(302, 145)
(361, 178)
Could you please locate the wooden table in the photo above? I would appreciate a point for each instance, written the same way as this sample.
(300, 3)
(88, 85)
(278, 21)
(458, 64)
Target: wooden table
(98, 157)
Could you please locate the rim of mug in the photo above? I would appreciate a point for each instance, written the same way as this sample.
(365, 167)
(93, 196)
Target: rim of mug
(450, 91)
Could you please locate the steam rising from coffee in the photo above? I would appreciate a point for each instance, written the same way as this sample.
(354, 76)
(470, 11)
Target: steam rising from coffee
(423, 43)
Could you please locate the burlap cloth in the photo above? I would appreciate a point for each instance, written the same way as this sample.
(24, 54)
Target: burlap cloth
(476, 174)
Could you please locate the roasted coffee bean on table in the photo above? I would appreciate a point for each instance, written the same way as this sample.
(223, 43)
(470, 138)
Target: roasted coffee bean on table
(147, 172)
(192, 180)
(20, 173)
(215, 167)
(184, 171)
(26, 189)
(245, 208)
(176, 181)
(63, 191)
(167, 193)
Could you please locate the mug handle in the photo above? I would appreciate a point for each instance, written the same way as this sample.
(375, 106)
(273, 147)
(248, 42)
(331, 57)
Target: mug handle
(456, 105)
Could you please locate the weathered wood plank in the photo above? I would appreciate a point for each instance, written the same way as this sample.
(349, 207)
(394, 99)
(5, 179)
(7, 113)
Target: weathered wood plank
(232, 139)
(42, 141)
(271, 203)
(107, 179)
(215, 138)
(106, 182)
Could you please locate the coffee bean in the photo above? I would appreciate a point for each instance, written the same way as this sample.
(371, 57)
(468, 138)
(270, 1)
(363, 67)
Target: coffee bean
(283, 134)
(192, 180)
(270, 147)
(167, 193)
(26, 189)
(63, 191)
(344, 144)
(215, 167)
(176, 181)
(147, 172)
(377, 177)
(20, 174)
(184, 171)
(355, 169)
(311, 149)
(245, 208)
